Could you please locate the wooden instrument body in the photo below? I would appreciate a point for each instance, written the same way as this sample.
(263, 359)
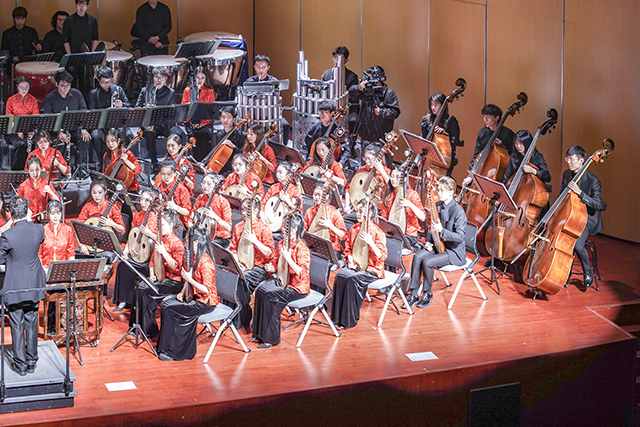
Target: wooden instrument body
(124, 174)
(513, 228)
(432, 197)
(140, 246)
(246, 250)
(275, 210)
(238, 191)
(315, 228)
(190, 145)
(494, 166)
(364, 186)
(95, 220)
(158, 261)
(360, 249)
(220, 156)
(549, 266)
(205, 222)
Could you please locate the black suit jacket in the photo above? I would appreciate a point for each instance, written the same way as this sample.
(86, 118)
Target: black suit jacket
(454, 221)
(591, 188)
(19, 247)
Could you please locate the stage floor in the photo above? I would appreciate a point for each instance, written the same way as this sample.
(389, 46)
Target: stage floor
(468, 343)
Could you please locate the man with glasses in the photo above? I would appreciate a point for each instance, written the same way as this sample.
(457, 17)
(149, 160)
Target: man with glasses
(106, 95)
(154, 95)
(65, 98)
(588, 190)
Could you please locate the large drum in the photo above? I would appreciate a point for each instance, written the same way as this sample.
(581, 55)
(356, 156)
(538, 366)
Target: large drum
(122, 65)
(223, 66)
(214, 35)
(40, 75)
(177, 68)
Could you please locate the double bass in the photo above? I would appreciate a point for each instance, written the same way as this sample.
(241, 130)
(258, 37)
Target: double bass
(530, 194)
(363, 182)
(219, 156)
(491, 162)
(553, 239)
(115, 170)
(442, 139)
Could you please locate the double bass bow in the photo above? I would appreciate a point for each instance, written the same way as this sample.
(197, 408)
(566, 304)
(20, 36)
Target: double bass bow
(554, 237)
(442, 139)
(491, 163)
(219, 156)
(530, 195)
(115, 170)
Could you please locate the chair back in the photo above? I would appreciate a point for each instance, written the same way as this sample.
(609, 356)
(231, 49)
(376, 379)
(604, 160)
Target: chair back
(319, 272)
(227, 284)
(470, 241)
(394, 254)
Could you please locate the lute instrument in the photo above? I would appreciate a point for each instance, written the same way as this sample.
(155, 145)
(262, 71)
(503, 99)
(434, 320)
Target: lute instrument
(246, 251)
(158, 262)
(438, 243)
(283, 266)
(256, 164)
(141, 246)
(274, 209)
(360, 249)
(363, 182)
(201, 220)
(553, 239)
(95, 220)
(397, 212)
(183, 150)
(315, 228)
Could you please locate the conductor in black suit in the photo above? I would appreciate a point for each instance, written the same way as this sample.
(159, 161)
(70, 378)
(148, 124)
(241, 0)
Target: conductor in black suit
(19, 247)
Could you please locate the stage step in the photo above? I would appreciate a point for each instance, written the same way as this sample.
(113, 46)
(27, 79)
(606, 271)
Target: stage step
(44, 389)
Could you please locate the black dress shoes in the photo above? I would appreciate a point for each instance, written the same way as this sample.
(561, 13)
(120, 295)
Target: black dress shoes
(588, 278)
(411, 301)
(31, 369)
(17, 370)
(425, 301)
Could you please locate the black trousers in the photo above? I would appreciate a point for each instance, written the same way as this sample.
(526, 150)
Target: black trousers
(178, 328)
(424, 263)
(149, 301)
(252, 278)
(349, 291)
(23, 318)
(126, 280)
(581, 250)
(271, 299)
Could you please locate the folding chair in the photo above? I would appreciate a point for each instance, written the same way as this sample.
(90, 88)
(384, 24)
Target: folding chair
(226, 283)
(315, 300)
(391, 278)
(470, 232)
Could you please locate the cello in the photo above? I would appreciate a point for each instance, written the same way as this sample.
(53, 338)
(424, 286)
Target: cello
(442, 139)
(339, 133)
(530, 195)
(257, 166)
(115, 170)
(491, 163)
(190, 144)
(219, 156)
(553, 239)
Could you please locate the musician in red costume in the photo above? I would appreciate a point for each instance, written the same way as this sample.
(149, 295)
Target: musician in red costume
(240, 163)
(369, 156)
(174, 146)
(350, 286)
(218, 211)
(411, 203)
(271, 298)
(262, 240)
(181, 200)
(333, 220)
(116, 153)
(59, 239)
(322, 147)
(179, 316)
(21, 104)
(35, 189)
(255, 134)
(283, 174)
(46, 154)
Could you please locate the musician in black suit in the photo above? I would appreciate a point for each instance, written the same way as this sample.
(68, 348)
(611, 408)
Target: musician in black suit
(452, 232)
(588, 190)
(19, 248)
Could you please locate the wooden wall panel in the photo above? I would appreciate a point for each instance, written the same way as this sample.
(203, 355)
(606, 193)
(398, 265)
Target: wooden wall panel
(396, 38)
(321, 35)
(116, 17)
(457, 50)
(525, 55)
(602, 100)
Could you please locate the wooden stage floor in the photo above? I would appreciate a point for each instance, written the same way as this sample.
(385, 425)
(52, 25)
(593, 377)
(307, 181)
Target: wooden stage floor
(566, 348)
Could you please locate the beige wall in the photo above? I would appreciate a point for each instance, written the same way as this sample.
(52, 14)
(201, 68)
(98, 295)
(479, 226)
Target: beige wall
(424, 45)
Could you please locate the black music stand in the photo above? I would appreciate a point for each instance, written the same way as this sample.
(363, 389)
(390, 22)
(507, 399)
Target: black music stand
(166, 115)
(428, 154)
(40, 57)
(287, 154)
(83, 270)
(225, 258)
(76, 120)
(497, 193)
(264, 87)
(106, 239)
(11, 180)
(191, 50)
(200, 111)
(112, 185)
(26, 124)
(6, 124)
(235, 202)
(83, 60)
(118, 118)
(393, 230)
(321, 247)
(309, 182)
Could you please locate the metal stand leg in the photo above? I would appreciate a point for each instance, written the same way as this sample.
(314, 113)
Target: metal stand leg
(136, 329)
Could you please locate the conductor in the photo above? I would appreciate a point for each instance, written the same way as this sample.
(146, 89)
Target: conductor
(19, 247)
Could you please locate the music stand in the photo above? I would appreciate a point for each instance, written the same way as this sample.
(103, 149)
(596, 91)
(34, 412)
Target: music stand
(112, 184)
(83, 270)
(11, 180)
(105, 239)
(26, 124)
(6, 123)
(82, 59)
(123, 118)
(166, 115)
(76, 120)
(309, 182)
(264, 88)
(497, 193)
(200, 111)
(225, 258)
(393, 230)
(287, 154)
(40, 57)
(192, 49)
(321, 247)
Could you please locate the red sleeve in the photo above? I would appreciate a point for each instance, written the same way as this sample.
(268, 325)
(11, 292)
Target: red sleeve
(84, 213)
(116, 215)
(186, 95)
(132, 158)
